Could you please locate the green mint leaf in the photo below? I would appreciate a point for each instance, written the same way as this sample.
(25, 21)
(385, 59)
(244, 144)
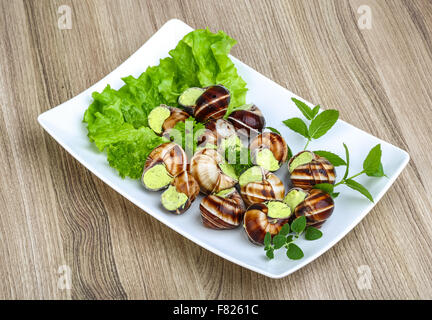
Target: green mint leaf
(347, 157)
(315, 111)
(333, 158)
(270, 253)
(326, 187)
(274, 130)
(299, 224)
(290, 238)
(285, 229)
(323, 123)
(360, 188)
(335, 195)
(304, 108)
(290, 153)
(267, 239)
(279, 241)
(312, 233)
(372, 164)
(297, 125)
(294, 252)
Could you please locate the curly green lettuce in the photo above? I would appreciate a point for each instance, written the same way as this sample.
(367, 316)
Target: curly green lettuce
(117, 120)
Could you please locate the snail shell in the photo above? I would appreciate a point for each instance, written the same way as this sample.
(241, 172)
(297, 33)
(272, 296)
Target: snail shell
(177, 115)
(212, 104)
(222, 212)
(271, 141)
(319, 170)
(257, 223)
(317, 208)
(205, 167)
(248, 120)
(269, 188)
(186, 183)
(216, 130)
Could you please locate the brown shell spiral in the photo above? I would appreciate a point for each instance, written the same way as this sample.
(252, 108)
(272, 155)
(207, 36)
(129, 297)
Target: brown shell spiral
(319, 170)
(177, 115)
(216, 130)
(272, 141)
(270, 188)
(171, 155)
(212, 104)
(186, 183)
(256, 223)
(317, 208)
(219, 212)
(248, 120)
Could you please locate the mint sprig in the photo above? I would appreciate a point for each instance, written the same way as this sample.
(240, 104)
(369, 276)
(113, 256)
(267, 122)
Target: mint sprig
(287, 236)
(320, 123)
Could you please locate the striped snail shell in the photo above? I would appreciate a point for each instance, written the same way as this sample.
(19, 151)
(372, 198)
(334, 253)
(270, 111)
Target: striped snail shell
(257, 223)
(186, 184)
(177, 115)
(269, 187)
(171, 157)
(212, 104)
(248, 120)
(317, 208)
(207, 168)
(222, 211)
(216, 130)
(269, 142)
(318, 170)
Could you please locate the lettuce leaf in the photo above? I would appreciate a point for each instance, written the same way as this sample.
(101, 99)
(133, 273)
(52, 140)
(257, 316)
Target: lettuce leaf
(117, 120)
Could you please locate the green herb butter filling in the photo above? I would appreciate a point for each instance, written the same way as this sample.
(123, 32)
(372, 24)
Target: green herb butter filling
(157, 118)
(225, 192)
(278, 210)
(253, 174)
(301, 159)
(228, 170)
(266, 159)
(190, 96)
(157, 177)
(172, 199)
(294, 198)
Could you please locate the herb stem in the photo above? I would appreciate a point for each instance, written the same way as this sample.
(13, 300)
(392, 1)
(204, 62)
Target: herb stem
(307, 144)
(352, 177)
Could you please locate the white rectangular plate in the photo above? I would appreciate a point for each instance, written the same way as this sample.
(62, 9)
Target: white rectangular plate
(64, 123)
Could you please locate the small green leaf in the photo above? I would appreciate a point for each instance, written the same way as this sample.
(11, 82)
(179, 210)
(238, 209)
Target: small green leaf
(333, 158)
(279, 241)
(326, 187)
(312, 233)
(335, 195)
(290, 238)
(323, 123)
(360, 188)
(274, 130)
(372, 164)
(347, 157)
(294, 252)
(267, 239)
(270, 253)
(315, 111)
(297, 125)
(299, 224)
(304, 108)
(290, 153)
(285, 229)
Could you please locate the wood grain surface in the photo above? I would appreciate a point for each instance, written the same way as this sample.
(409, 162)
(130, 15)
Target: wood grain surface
(54, 212)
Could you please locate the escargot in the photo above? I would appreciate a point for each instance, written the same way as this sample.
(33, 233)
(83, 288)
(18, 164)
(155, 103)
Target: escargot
(212, 172)
(269, 150)
(219, 133)
(248, 120)
(258, 185)
(163, 164)
(222, 210)
(317, 207)
(181, 193)
(308, 169)
(163, 118)
(261, 218)
(188, 99)
(212, 103)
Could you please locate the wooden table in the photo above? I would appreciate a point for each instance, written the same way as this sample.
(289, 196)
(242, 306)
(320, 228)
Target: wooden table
(54, 212)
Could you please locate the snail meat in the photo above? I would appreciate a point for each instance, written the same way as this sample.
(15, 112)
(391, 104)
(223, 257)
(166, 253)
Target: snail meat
(212, 104)
(308, 169)
(261, 218)
(258, 185)
(269, 150)
(162, 165)
(223, 210)
(317, 208)
(189, 97)
(247, 120)
(212, 172)
(180, 194)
